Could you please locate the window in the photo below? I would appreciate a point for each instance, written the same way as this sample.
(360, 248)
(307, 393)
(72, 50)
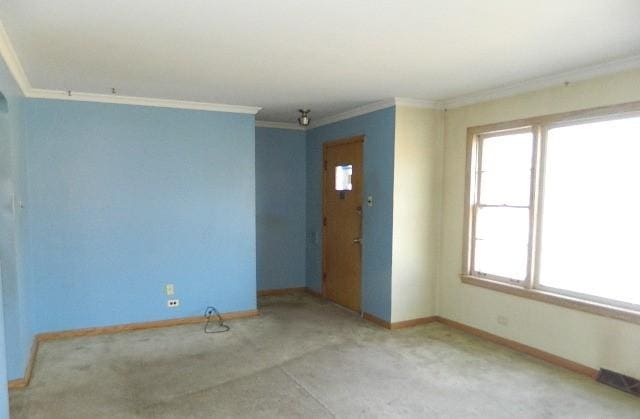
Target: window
(501, 235)
(343, 177)
(554, 209)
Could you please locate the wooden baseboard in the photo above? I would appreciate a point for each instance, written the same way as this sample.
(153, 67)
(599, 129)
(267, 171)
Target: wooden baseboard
(33, 354)
(17, 383)
(97, 331)
(399, 325)
(520, 347)
(413, 322)
(383, 323)
(281, 291)
(240, 314)
(511, 344)
(376, 320)
(24, 381)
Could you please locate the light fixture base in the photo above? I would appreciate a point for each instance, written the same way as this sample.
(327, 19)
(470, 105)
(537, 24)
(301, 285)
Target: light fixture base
(304, 119)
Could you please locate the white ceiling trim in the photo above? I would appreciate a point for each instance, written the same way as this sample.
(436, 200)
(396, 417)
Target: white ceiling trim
(10, 57)
(417, 103)
(376, 106)
(352, 113)
(572, 76)
(360, 110)
(13, 63)
(8, 53)
(140, 101)
(279, 125)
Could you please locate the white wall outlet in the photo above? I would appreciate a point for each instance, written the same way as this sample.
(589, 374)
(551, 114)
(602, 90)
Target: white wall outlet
(169, 289)
(503, 320)
(173, 303)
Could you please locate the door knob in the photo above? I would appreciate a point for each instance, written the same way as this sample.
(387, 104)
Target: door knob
(357, 240)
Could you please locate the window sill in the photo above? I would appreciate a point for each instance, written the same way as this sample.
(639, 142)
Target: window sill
(556, 299)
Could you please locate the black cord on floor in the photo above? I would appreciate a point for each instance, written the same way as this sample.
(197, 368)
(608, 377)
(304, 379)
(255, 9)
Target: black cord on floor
(220, 327)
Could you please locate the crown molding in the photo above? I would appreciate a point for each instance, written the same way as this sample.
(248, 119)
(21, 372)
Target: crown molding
(352, 113)
(579, 74)
(376, 106)
(279, 125)
(8, 54)
(417, 103)
(13, 63)
(140, 101)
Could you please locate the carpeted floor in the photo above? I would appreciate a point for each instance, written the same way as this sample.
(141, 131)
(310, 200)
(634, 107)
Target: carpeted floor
(304, 357)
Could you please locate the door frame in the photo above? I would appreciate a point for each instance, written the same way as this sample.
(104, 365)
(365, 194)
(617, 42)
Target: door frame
(325, 146)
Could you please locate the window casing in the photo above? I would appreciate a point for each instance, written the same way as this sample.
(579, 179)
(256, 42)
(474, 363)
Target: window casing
(503, 204)
(523, 277)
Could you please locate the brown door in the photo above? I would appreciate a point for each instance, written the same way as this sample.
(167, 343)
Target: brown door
(342, 221)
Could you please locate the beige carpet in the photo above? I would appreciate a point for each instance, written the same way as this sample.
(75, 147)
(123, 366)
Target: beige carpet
(304, 358)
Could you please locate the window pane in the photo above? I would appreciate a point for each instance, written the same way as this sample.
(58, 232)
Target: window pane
(343, 177)
(505, 189)
(506, 170)
(502, 237)
(591, 223)
(501, 259)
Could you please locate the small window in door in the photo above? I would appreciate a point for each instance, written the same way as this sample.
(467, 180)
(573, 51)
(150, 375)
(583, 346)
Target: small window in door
(343, 177)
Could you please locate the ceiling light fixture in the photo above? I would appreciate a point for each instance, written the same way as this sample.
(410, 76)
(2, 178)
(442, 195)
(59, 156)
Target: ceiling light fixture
(304, 117)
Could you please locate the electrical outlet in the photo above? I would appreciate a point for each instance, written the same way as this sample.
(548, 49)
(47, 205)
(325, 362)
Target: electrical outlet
(169, 289)
(503, 320)
(173, 303)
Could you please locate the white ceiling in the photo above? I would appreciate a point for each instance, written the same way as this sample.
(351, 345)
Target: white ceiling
(329, 55)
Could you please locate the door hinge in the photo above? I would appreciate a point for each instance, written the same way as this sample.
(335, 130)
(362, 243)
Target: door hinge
(324, 221)
(325, 165)
(324, 276)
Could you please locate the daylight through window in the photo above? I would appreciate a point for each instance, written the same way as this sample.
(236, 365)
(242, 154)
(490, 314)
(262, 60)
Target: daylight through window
(555, 207)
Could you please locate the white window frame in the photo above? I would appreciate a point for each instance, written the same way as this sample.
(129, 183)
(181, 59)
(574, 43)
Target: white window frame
(530, 287)
(476, 181)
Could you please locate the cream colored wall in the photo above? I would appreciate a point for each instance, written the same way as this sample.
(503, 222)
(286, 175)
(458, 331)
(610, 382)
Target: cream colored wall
(417, 202)
(588, 339)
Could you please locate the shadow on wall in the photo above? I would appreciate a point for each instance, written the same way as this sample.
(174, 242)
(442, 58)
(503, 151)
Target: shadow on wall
(4, 105)
(4, 397)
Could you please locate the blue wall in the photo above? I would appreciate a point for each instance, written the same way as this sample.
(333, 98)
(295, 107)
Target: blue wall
(124, 199)
(12, 226)
(4, 396)
(379, 130)
(120, 200)
(280, 208)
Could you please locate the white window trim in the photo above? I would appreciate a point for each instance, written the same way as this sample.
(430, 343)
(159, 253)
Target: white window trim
(530, 287)
(476, 180)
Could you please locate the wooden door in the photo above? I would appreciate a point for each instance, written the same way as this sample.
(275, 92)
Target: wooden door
(342, 221)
